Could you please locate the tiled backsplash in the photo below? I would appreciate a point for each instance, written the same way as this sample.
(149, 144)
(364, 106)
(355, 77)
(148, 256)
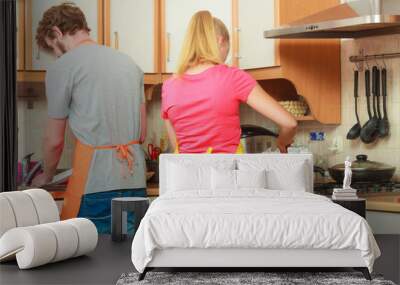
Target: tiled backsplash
(385, 150)
(32, 121)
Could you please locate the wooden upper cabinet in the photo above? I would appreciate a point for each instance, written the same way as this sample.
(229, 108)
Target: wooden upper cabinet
(312, 65)
(39, 60)
(131, 27)
(253, 18)
(20, 11)
(177, 14)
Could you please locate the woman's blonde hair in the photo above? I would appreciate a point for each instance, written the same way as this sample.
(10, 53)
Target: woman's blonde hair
(200, 44)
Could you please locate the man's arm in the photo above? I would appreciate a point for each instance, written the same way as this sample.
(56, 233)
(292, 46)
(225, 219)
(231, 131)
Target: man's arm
(53, 145)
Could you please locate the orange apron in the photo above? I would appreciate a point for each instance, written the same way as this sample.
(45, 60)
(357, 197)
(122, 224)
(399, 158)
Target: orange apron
(82, 159)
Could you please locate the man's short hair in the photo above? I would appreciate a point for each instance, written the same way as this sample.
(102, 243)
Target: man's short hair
(67, 17)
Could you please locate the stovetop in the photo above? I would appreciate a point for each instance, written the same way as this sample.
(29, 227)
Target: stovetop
(362, 187)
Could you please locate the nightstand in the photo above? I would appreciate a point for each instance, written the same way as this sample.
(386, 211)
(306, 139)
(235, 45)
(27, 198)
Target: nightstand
(137, 205)
(356, 205)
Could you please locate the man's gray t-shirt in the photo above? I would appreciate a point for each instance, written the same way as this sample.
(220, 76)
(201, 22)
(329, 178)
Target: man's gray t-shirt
(100, 91)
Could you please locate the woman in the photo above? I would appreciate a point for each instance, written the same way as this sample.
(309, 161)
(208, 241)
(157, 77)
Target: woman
(200, 104)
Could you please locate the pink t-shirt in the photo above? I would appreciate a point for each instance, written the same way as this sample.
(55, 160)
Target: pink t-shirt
(204, 108)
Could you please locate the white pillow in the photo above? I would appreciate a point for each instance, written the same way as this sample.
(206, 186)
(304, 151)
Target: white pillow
(236, 179)
(183, 177)
(291, 180)
(189, 175)
(251, 178)
(282, 174)
(223, 179)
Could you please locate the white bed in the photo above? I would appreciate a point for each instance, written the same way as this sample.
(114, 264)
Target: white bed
(197, 222)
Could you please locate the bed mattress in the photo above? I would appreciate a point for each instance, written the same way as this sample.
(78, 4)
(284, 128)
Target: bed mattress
(250, 219)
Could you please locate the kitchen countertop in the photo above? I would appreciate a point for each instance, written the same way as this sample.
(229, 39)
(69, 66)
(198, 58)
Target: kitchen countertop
(383, 201)
(152, 189)
(57, 191)
(379, 201)
(380, 196)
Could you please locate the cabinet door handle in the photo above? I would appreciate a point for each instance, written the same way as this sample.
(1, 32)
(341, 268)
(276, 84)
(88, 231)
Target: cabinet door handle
(168, 45)
(38, 54)
(116, 40)
(237, 55)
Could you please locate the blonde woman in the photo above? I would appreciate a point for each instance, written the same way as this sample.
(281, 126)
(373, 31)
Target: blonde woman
(200, 103)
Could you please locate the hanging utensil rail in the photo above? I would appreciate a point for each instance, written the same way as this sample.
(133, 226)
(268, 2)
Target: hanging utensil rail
(361, 58)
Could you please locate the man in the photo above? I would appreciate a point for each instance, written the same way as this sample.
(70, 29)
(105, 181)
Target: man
(100, 92)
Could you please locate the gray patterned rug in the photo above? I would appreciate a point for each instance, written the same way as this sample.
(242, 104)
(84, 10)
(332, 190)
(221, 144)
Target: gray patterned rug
(244, 278)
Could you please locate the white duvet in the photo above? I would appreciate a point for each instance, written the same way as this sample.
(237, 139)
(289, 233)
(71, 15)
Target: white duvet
(253, 218)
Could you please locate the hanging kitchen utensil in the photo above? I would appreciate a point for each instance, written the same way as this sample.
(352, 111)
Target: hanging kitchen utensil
(368, 92)
(378, 96)
(354, 132)
(153, 151)
(369, 131)
(363, 170)
(384, 122)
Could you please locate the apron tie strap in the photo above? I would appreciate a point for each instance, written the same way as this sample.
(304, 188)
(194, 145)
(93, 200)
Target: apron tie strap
(123, 152)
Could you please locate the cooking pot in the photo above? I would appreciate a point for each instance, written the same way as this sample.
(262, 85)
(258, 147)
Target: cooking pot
(363, 170)
(256, 139)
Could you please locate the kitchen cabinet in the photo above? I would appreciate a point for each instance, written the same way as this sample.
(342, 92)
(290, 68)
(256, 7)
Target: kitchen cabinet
(253, 18)
(39, 60)
(152, 33)
(20, 10)
(177, 14)
(131, 28)
(311, 66)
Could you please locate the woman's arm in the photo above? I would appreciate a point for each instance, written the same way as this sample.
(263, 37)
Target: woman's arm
(263, 103)
(171, 134)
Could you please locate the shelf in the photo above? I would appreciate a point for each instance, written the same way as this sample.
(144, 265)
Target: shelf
(266, 73)
(31, 76)
(40, 76)
(257, 73)
(31, 89)
(152, 78)
(305, 118)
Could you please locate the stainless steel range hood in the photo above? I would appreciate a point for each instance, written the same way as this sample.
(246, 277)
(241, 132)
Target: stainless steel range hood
(354, 19)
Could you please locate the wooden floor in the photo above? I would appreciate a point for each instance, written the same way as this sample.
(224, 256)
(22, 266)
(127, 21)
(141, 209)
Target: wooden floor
(110, 260)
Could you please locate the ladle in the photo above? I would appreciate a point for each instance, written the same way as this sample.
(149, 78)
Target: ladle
(369, 132)
(355, 130)
(384, 122)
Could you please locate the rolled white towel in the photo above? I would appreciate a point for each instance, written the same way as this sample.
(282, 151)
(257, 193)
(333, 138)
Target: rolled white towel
(87, 235)
(45, 205)
(67, 240)
(23, 208)
(32, 246)
(40, 244)
(7, 218)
